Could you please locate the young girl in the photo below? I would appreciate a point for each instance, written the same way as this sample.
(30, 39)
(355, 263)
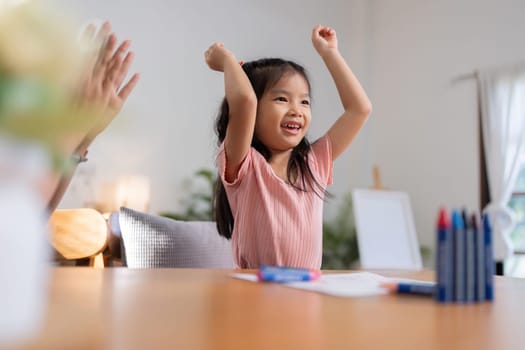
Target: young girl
(270, 197)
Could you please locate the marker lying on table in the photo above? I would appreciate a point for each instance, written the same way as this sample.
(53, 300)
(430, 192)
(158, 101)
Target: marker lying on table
(418, 288)
(279, 274)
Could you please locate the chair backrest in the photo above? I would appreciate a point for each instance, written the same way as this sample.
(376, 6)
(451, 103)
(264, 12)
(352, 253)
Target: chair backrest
(78, 233)
(151, 241)
(114, 236)
(386, 233)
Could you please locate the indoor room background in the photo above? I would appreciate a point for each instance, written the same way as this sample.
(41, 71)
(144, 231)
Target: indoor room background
(415, 58)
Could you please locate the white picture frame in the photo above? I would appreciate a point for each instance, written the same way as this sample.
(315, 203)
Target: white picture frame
(386, 232)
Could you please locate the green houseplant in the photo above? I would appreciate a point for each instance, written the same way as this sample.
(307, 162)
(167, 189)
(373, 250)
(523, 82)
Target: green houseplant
(199, 204)
(340, 250)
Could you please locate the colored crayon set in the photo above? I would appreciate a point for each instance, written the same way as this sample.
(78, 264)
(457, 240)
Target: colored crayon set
(464, 258)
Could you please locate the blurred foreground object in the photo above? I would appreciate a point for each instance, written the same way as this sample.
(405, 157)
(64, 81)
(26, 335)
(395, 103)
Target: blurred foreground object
(40, 72)
(40, 69)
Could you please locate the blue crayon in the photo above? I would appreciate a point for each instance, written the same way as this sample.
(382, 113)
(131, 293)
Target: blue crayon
(479, 245)
(470, 258)
(489, 258)
(444, 259)
(460, 277)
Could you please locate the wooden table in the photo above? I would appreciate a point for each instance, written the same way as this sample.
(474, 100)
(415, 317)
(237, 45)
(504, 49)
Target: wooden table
(121, 308)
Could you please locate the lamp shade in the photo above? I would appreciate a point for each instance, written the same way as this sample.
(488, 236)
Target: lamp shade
(131, 191)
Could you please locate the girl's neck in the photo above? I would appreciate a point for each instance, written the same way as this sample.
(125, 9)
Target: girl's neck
(279, 163)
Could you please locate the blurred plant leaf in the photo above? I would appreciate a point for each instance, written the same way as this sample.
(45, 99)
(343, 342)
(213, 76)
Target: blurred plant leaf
(199, 205)
(340, 250)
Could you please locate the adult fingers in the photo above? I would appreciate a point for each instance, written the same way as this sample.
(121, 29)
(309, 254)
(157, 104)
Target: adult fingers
(107, 49)
(116, 64)
(87, 35)
(102, 63)
(126, 90)
(103, 33)
(104, 42)
(124, 68)
(116, 59)
(89, 53)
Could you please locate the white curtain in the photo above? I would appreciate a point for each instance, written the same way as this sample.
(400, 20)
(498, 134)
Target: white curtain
(502, 103)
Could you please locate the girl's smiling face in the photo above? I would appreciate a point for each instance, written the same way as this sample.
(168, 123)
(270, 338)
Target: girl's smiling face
(283, 113)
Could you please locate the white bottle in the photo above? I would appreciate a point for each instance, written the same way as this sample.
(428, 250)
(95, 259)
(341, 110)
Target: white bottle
(24, 250)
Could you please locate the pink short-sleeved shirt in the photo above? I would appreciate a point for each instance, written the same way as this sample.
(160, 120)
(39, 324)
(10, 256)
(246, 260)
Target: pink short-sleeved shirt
(275, 223)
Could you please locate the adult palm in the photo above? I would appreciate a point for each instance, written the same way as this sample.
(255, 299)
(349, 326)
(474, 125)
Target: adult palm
(104, 89)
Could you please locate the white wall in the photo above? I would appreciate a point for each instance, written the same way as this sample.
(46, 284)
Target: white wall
(166, 128)
(424, 127)
(423, 130)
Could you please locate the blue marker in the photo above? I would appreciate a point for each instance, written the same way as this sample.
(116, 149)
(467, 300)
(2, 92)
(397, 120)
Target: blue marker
(279, 274)
(417, 288)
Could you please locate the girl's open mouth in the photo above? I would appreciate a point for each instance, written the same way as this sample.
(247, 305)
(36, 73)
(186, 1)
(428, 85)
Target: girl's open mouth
(291, 127)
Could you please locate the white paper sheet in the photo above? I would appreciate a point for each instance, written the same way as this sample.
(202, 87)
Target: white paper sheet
(356, 284)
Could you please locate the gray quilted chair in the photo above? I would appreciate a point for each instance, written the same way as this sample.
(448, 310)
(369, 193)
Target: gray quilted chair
(151, 241)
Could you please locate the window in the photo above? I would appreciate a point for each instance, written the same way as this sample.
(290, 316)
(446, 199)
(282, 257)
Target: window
(517, 202)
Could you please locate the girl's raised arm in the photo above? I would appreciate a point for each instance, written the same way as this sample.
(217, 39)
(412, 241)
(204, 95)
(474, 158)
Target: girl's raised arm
(355, 102)
(242, 104)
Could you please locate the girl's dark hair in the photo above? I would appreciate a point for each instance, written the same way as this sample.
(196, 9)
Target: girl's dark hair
(263, 75)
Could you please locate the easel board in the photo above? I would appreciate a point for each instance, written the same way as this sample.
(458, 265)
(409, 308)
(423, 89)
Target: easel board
(386, 231)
